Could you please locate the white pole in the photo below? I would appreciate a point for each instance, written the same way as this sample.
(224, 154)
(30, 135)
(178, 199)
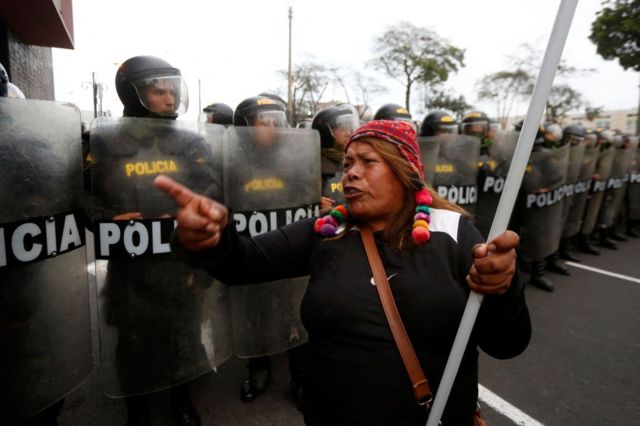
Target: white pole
(507, 200)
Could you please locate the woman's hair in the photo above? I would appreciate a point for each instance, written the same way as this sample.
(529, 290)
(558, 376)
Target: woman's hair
(398, 233)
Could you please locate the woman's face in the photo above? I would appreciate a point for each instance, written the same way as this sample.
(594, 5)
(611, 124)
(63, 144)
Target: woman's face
(372, 190)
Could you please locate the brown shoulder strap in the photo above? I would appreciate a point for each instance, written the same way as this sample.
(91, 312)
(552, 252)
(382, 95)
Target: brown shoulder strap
(421, 388)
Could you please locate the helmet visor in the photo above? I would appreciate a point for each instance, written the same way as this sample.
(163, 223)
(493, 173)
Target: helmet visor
(346, 123)
(479, 128)
(575, 139)
(12, 91)
(166, 96)
(268, 119)
(553, 133)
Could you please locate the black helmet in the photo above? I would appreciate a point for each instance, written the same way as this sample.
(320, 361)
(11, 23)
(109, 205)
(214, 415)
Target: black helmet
(8, 90)
(274, 97)
(437, 122)
(217, 113)
(328, 120)
(552, 134)
(151, 87)
(604, 137)
(573, 134)
(475, 123)
(393, 112)
(260, 110)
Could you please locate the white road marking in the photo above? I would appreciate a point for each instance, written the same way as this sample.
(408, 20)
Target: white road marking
(603, 272)
(503, 407)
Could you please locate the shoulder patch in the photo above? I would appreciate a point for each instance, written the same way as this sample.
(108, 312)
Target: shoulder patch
(445, 221)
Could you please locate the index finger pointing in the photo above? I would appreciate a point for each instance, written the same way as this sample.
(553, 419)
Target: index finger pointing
(178, 192)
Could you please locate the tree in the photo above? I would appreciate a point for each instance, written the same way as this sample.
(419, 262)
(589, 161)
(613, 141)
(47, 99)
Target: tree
(446, 99)
(562, 99)
(411, 55)
(616, 34)
(505, 88)
(310, 80)
(591, 113)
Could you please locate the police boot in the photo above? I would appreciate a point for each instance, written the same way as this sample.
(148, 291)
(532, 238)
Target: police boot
(605, 241)
(259, 378)
(297, 365)
(585, 246)
(632, 228)
(564, 250)
(617, 236)
(538, 278)
(554, 264)
(183, 410)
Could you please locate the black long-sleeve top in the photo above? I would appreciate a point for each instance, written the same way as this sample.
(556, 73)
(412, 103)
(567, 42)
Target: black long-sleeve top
(355, 375)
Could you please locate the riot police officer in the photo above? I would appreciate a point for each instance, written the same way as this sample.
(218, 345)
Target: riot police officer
(394, 112)
(335, 125)
(438, 123)
(266, 114)
(573, 135)
(217, 113)
(477, 123)
(149, 87)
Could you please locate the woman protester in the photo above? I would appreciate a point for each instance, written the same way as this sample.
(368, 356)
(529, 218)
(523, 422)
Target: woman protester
(432, 255)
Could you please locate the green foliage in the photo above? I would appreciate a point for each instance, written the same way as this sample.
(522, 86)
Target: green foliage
(442, 99)
(504, 88)
(562, 99)
(616, 33)
(411, 55)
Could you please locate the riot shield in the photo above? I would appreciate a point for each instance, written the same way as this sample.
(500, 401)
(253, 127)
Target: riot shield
(332, 180)
(493, 167)
(576, 156)
(598, 188)
(456, 170)
(617, 185)
(429, 148)
(271, 178)
(541, 203)
(633, 191)
(45, 326)
(581, 189)
(161, 322)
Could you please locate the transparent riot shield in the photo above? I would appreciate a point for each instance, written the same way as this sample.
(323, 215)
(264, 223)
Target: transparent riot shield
(633, 191)
(429, 148)
(581, 188)
(161, 322)
(576, 155)
(617, 185)
(541, 203)
(598, 188)
(493, 166)
(271, 178)
(456, 170)
(332, 180)
(45, 326)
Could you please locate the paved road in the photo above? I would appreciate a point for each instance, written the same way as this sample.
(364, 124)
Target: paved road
(581, 368)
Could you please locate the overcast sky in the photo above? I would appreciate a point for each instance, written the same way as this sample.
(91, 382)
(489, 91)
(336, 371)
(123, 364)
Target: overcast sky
(236, 47)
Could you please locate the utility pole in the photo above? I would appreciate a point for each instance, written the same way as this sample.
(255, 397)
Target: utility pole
(290, 85)
(95, 94)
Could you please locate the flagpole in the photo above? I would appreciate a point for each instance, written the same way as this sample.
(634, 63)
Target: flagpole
(521, 155)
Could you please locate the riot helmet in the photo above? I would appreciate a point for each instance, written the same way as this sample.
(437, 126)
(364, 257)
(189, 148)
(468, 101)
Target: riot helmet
(260, 111)
(438, 122)
(336, 124)
(151, 87)
(604, 138)
(217, 113)
(475, 123)
(552, 135)
(394, 112)
(573, 134)
(590, 139)
(305, 124)
(618, 140)
(7, 89)
(274, 97)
